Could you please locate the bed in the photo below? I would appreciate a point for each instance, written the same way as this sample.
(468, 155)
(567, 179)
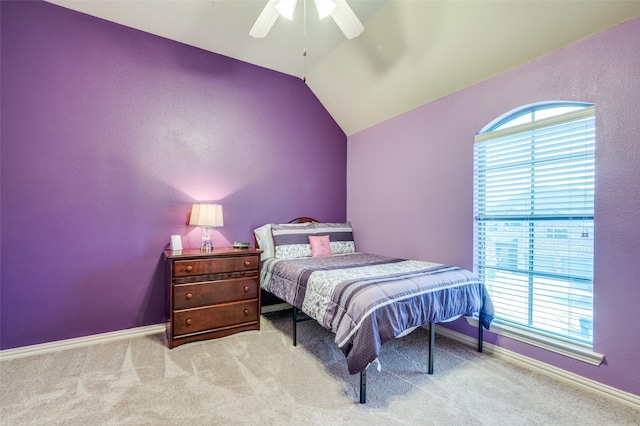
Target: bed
(364, 299)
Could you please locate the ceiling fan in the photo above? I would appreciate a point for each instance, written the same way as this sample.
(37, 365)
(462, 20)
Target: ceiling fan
(339, 10)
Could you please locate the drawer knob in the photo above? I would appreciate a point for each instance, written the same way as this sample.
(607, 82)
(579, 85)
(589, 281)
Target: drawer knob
(188, 296)
(246, 288)
(188, 321)
(246, 312)
(247, 263)
(189, 268)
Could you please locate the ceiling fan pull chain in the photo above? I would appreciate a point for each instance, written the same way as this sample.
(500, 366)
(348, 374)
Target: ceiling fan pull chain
(304, 49)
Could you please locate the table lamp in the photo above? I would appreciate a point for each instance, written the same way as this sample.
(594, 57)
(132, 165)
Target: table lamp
(206, 216)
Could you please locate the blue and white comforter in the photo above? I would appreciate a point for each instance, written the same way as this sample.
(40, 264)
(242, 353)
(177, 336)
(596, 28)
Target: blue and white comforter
(368, 299)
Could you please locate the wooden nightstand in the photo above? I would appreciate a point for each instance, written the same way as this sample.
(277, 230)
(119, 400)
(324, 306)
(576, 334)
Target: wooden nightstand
(212, 294)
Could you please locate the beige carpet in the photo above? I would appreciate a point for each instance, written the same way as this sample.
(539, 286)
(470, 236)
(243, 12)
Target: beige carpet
(260, 378)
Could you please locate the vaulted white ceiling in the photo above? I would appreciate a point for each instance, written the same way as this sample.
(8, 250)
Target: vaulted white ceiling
(410, 53)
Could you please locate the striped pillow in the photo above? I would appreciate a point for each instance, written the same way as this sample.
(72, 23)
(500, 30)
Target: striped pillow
(340, 236)
(291, 240)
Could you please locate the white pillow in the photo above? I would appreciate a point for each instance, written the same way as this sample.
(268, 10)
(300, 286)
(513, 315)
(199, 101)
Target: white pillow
(265, 241)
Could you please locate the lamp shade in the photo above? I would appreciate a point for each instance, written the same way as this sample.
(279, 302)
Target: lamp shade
(206, 215)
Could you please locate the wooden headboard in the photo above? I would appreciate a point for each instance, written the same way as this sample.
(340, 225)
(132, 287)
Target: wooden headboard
(303, 219)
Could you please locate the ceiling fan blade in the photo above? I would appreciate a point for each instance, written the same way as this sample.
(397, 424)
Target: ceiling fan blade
(265, 21)
(346, 19)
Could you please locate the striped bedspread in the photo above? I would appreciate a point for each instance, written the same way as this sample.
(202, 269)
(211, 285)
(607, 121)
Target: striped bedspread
(367, 299)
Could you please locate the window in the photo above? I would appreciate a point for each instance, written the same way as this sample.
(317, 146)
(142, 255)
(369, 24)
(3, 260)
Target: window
(534, 211)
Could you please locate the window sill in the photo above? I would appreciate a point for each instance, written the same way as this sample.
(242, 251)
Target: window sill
(540, 340)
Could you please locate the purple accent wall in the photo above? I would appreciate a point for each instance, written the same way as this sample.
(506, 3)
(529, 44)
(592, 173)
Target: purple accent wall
(108, 135)
(410, 187)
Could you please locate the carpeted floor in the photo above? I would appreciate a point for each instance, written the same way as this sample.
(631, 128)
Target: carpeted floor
(260, 378)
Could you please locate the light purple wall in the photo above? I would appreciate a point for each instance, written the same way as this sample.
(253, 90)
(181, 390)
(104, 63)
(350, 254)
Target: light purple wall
(409, 183)
(108, 135)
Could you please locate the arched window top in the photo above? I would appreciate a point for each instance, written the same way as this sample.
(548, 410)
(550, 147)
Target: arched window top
(531, 113)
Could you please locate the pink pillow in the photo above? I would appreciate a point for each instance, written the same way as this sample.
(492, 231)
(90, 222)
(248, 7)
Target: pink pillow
(320, 246)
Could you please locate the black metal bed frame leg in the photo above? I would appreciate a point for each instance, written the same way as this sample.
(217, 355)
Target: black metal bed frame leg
(363, 386)
(295, 326)
(480, 333)
(363, 373)
(432, 343)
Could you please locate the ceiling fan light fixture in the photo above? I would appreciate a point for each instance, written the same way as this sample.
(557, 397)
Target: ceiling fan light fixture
(286, 8)
(324, 7)
(339, 10)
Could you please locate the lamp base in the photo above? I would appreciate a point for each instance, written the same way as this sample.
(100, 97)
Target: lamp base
(207, 244)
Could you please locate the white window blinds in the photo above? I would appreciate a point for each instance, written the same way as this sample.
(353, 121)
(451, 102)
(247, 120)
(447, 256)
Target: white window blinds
(534, 212)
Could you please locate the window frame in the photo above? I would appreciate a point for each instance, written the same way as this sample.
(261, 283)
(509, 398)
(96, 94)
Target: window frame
(499, 128)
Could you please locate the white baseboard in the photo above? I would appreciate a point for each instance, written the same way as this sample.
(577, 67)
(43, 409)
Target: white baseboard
(61, 345)
(601, 389)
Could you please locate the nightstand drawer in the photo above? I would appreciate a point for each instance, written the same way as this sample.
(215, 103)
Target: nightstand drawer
(185, 268)
(212, 292)
(214, 317)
